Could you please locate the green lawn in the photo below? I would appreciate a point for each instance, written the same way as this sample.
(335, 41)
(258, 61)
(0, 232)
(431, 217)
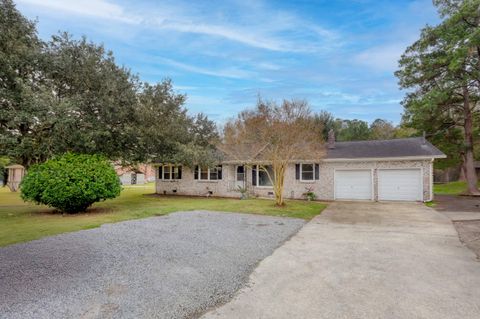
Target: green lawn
(453, 188)
(20, 222)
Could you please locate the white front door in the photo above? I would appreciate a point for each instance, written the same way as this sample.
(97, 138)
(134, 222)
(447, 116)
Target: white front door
(353, 184)
(400, 184)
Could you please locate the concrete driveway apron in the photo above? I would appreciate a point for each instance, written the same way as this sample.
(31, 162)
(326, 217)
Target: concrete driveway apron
(365, 260)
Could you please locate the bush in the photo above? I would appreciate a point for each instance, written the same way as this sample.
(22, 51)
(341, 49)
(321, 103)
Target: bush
(71, 183)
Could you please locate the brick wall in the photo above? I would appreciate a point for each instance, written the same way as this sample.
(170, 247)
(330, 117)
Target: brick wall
(323, 188)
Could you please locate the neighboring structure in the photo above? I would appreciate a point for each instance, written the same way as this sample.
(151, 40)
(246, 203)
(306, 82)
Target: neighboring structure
(399, 169)
(139, 174)
(15, 176)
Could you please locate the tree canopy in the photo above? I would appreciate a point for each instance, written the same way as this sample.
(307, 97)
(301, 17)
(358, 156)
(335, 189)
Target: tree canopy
(441, 71)
(281, 133)
(355, 130)
(70, 95)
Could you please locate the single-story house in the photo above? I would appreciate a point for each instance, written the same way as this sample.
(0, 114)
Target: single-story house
(378, 170)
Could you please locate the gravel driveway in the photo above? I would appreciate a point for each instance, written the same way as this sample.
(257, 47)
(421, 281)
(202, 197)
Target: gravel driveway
(174, 266)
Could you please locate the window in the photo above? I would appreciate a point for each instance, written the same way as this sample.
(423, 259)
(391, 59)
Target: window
(166, 172)
(170, 172)
(176, 172)
(260, 177)
(204, 173)
(208, 174)
(307, 172)
(214, 173)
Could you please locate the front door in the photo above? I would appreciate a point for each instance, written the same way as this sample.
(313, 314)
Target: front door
(240, 176)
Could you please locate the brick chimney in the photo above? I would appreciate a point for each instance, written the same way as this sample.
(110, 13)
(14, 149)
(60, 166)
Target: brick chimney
(331, 139)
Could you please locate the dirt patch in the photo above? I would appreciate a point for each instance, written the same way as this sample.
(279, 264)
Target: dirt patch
(453, 203)
(469, 233)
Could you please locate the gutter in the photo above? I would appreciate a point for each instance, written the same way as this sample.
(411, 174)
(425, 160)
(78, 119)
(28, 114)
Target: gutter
(378, 159)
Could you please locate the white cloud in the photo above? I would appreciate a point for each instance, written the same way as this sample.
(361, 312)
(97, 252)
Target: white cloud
(259, 29)
(404, 29)
(94, 8)
(382, 57)
(226, 32)
(233, 73)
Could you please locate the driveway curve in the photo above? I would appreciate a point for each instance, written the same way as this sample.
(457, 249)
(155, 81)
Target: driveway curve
(365, 260)
(174, 266)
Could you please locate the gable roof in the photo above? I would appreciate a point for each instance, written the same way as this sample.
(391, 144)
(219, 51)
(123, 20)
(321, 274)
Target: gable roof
(243, 152)
(256, 153)
(402, 147)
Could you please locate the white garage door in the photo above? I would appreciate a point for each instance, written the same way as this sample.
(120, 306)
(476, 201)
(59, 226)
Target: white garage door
(399, 184)
(353, 184)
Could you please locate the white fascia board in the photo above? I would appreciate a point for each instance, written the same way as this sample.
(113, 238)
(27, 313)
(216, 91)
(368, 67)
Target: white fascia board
(377, 159)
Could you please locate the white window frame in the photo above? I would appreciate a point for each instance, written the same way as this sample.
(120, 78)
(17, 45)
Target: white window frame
(170, 169)
(313, 172)
(199, 177)
(258, 177)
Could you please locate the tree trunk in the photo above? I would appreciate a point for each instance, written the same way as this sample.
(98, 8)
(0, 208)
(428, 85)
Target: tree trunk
(278, 182)
(469, 164)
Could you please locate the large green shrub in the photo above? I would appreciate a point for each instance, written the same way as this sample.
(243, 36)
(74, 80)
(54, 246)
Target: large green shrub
(71, 183)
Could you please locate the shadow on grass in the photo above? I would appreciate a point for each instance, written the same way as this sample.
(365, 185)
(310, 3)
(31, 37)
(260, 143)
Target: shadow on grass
(89, 211)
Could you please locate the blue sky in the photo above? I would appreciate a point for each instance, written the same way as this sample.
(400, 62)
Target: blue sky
(339, 55)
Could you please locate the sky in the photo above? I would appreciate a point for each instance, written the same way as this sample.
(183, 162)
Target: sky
(338, 55)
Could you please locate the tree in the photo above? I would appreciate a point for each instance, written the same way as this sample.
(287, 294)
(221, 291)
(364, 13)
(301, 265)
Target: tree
(96, 99)
(25, 99)
(325, 121)
(69, 95)
(353, 130)
(382, 130)
(180, 138)
(4, 161)
(442, 72)
(281, 133)
(71, 183)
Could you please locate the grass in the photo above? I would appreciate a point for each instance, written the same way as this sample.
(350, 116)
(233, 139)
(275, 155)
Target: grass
(453, 188)
(431, 204)
(20, 221)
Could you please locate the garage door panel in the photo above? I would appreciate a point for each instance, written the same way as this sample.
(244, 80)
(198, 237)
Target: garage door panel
(399, 184)
(353, 184)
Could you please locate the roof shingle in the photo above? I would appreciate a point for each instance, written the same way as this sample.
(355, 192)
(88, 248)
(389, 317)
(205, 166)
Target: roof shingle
(402, 147)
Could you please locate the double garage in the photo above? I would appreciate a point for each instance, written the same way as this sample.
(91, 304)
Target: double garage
(402, 184)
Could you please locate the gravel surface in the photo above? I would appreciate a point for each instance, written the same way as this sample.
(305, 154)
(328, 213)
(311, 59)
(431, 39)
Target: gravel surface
(174, 266)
